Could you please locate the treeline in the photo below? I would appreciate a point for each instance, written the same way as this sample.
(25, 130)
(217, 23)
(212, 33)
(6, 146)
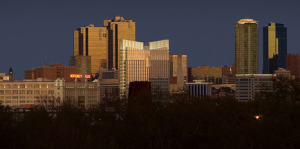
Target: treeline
(272, 120)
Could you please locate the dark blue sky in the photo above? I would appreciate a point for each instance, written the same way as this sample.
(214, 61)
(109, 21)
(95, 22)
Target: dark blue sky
(204, 30)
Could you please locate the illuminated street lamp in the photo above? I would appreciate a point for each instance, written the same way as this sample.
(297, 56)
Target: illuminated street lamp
(257, 117)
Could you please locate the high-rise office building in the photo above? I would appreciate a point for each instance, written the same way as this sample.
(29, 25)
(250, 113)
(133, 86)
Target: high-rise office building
(118, 29)
(159, 72)
(274, 47)
(246, 46)
(144, 63)
(178, 72)
(92, 41)
(134, 64)
(103, 43)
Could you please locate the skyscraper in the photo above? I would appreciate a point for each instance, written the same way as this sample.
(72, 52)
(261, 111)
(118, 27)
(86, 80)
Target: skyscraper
(246, 46)
(118, 29)
(178, 71)
(144, 63)
(92, 41)
(159, 72)
(274, 47)
(103, 43)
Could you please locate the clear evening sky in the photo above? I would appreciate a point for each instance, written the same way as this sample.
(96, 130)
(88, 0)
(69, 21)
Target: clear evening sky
(204, 30)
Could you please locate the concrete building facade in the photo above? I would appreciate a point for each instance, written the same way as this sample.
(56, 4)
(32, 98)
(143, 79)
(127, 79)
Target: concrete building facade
(247, 85)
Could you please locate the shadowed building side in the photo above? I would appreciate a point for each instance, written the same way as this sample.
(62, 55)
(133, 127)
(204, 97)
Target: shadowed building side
(274, 47)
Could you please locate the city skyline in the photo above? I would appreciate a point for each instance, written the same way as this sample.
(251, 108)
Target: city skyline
(34, 30)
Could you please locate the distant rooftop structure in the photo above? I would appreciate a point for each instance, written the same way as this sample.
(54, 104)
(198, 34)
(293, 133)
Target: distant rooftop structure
(243, 21)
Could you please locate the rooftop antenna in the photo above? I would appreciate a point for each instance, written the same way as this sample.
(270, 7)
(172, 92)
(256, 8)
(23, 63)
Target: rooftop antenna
(45, 59)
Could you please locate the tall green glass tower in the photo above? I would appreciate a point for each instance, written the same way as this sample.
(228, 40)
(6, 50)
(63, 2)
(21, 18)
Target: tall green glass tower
(246, 46)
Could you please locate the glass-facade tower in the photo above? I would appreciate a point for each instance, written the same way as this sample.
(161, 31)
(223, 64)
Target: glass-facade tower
(134, 64)
(103, 43)
(159, 72)
(118, 29)
(274, 47)
(246, 47)
(144, 63)
(92, 41)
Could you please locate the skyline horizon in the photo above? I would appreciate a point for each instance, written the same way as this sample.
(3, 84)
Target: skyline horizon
(202, 31)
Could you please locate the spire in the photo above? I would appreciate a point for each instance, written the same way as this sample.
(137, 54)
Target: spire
(11, 74)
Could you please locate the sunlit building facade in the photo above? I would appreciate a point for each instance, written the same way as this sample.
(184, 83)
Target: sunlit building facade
(31, 92)
(159, 72)
(178, 72)
(134, 64)
(246, 47)
(274, 47)
(118, 29)
(144, 63)
(51, 72)
(210, 74)
(92, 41)
(103, 43)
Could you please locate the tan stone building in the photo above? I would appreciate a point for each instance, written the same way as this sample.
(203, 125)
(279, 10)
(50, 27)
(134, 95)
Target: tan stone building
(18, 93)
(36, 92)
(282, 72)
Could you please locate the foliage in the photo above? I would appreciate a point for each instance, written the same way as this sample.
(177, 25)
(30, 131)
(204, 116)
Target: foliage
(197, 123)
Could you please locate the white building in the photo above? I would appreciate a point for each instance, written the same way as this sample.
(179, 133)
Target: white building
(198, 89)
(247, 85)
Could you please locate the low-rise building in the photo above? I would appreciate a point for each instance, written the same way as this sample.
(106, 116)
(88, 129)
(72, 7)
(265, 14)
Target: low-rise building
(283, 72)
(247, 85)
(82, 93)
(29, 92)
(198, 89)
(51, 72)
(42, 91)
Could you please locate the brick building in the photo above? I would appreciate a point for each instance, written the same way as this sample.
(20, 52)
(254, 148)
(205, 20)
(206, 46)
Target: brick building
(51, 72)
(293, 64)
